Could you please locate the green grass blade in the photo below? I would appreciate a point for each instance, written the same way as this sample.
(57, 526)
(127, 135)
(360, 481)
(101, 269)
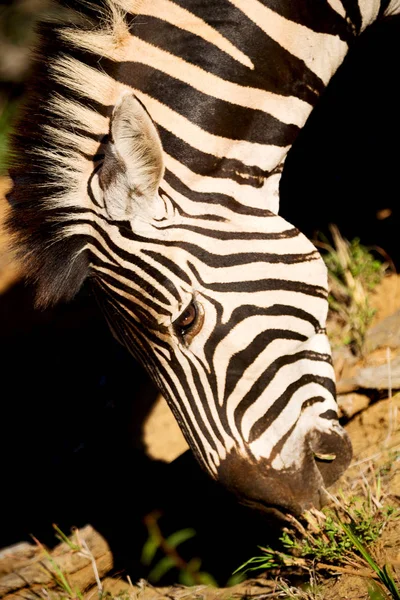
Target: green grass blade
(384, 574)
(178, 537)
(149, 550)
(375, 592)
(162, 567)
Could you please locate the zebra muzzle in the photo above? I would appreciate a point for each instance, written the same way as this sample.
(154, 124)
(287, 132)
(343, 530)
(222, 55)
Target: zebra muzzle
(257, 484)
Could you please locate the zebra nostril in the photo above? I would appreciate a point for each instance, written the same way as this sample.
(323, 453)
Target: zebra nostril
(331, 451)
(320, 456)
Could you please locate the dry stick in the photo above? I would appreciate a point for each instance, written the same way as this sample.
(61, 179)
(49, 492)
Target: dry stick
(368, 492)
(86, 553)
(347, 571)
(392, 408)
(390, 414)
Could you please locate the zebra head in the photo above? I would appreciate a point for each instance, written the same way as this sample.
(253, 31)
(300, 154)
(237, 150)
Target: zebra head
(223, 303)
(225, 306)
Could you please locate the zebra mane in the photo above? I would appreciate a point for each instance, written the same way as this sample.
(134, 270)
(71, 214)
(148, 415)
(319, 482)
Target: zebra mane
(70, 97)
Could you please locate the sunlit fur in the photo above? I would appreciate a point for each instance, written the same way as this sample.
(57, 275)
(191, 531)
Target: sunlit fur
(148, 159)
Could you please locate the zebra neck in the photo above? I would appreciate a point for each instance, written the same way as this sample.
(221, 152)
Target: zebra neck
(230, 85)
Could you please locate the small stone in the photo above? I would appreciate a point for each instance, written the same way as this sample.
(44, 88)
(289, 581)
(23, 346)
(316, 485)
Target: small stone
(376, 377)
(384, 334)
(382, 377)
(351, 404)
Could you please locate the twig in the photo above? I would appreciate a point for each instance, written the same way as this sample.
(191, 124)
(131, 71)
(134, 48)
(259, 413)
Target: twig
(347, 571)
(392, 410)
(86, 553)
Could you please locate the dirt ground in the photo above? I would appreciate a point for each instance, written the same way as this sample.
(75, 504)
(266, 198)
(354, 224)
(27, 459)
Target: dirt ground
(372, 422)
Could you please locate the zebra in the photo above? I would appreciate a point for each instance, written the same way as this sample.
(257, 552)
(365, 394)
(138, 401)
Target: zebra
(147, 160)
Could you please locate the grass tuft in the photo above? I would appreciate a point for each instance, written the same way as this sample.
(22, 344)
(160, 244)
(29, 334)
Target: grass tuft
(353, 273)
(341, 539)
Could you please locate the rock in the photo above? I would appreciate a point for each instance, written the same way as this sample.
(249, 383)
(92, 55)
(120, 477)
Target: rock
(384, 334)
(259, 587)
(30, 576)
(13, 557)
(374, 377)
(343, 361)
(351, 404)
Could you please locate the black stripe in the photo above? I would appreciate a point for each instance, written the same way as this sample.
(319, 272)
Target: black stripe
(216, 199)
(168, 264)
(241, 360)
(210, 165)
(236, 235)
(247, 311)
(280, 403)
(235, 259)
(218, 117)
(263, 285)
(179, 210)
(318, 16)
(275, 69)
(278, 310)
(353, 13)
(278, 447)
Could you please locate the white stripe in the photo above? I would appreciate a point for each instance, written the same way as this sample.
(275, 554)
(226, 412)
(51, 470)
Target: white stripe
(321, 53)
(245, 194)
(283, 379)
(248, 330)
(393, 8)
(287, 109)
(369, 12)
(337, 7)
(221, 451)
(263, 446)
(182, 18)
(266, 157)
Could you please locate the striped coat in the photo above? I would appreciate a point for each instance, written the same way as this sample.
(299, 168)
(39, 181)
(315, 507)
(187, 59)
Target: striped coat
(148, 159)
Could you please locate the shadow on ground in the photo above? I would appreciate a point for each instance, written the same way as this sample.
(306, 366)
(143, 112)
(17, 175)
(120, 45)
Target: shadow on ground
(73, 405)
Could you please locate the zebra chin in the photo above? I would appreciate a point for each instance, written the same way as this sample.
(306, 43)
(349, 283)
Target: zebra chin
(255, 483)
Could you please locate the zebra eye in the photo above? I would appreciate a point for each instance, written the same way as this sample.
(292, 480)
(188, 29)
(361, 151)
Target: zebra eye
(190, 322)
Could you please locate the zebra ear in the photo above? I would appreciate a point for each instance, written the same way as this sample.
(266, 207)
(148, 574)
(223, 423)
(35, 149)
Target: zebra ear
(133, 164)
